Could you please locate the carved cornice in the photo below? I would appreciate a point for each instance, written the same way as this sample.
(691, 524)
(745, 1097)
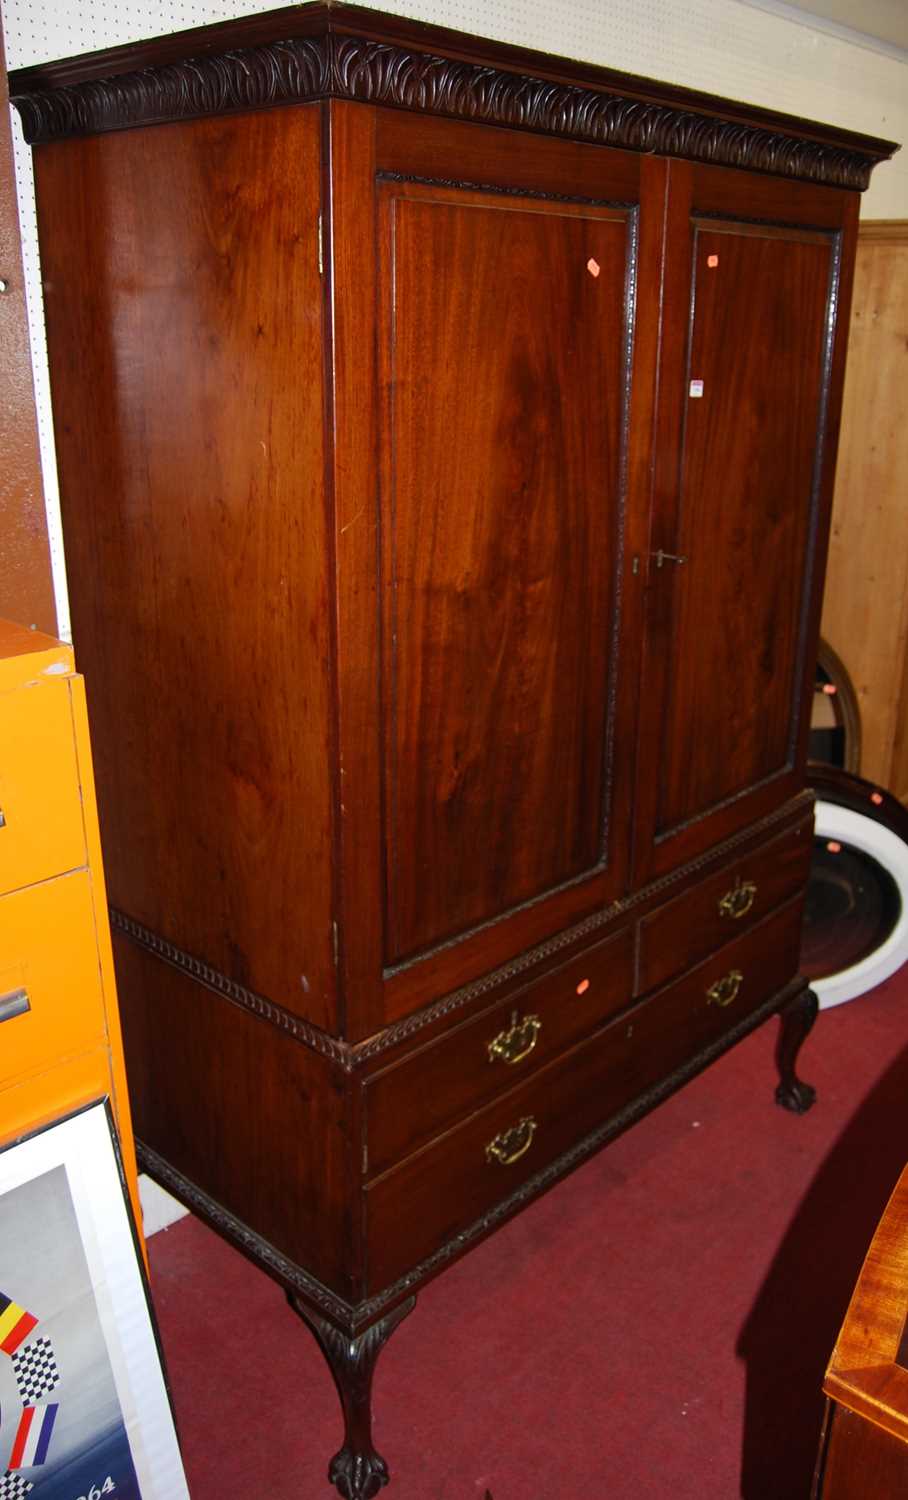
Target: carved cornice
(337, 65)
(256, 78)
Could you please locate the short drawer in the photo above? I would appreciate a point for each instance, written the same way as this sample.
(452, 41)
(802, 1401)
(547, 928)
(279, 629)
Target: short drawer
(429, 1089)
(41, 829)
(51, 1004)
(740, 895)
(419, 1205)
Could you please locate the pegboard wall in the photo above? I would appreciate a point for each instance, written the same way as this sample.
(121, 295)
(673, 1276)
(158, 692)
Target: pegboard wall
(759, 51)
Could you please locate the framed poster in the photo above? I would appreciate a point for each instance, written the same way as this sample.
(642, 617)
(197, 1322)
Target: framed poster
(84, 1410)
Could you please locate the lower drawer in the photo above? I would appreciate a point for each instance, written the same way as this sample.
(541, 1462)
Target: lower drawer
(414, 1100)
(415, 1208)
(727, 903)
(50, 982)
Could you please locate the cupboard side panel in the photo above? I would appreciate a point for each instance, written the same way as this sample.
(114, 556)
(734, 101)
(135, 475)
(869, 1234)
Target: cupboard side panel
(213, 1089)
(184, 312)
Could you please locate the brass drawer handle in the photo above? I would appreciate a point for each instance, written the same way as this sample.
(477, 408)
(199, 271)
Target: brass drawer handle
(738, 901)
(14, 1003)
(513, 1045)
(512, 1144)
(724, 991)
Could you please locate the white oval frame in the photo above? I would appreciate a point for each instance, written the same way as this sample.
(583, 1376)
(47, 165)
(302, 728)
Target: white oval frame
(873, 838)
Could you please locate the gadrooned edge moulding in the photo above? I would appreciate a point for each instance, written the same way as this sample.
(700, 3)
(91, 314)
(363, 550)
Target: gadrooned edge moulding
(303, 69)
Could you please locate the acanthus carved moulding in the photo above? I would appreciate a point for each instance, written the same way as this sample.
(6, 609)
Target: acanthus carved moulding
(298, 69)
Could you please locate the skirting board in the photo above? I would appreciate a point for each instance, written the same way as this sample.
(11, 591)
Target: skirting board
(159, 1208)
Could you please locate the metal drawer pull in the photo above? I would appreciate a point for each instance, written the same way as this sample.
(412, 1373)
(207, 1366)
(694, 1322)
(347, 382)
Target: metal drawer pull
(724, 991)
(14, 1003)
(738, 901)
(512, 1144)
(2, 818)
(513, 1045)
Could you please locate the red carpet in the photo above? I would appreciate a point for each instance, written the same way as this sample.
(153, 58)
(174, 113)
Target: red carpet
(657, 1326)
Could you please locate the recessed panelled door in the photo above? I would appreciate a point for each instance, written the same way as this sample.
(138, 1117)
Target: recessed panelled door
(507, 359)
(502, 556)
(729, 577)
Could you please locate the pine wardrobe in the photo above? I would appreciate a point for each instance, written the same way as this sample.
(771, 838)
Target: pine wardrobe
(446, 436)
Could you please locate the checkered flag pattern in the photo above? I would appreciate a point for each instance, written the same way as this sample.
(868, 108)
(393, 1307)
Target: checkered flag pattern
(36, 1372)
(14, 1486)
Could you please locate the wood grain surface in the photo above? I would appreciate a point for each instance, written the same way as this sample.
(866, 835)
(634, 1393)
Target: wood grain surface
(865, 1373)
(402, 727)
(743, 474)
(502, 551)
(201, 605)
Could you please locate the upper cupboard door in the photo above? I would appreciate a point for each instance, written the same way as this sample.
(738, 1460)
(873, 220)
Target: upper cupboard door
(743, 469)
(506, 361)
(507, 343)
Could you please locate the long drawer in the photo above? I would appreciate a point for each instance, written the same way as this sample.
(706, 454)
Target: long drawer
(417, 1206)
(41, 829)
(736, 898)
(51, 1002)
(414, 1100)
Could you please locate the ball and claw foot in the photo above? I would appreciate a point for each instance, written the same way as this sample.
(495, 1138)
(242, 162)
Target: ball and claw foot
(357, 1476)
(357, 1471)
(797, 1017)
(797, 1096)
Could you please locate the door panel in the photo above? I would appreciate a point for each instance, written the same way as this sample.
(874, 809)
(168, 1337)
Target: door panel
(749, 455)
(504, 465)
(748, 333)
(494, 306)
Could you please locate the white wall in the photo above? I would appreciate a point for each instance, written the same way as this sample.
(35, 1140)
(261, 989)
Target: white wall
(760, 51)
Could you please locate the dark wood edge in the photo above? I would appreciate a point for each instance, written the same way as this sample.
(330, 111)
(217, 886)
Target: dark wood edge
(354, 1318)
(352, 1056)
(346, 52)
(819, 1472)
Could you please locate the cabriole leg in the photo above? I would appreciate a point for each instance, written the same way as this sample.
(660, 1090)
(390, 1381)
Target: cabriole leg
(357, 1471)
(796, 1020)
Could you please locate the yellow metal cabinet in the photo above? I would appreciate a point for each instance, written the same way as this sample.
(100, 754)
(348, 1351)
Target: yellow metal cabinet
(60, 1044)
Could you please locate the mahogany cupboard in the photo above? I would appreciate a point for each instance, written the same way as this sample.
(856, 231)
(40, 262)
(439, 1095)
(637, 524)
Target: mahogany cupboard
(447, 435)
